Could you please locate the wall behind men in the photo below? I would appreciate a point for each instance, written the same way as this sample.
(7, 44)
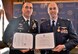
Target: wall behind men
(67, 10)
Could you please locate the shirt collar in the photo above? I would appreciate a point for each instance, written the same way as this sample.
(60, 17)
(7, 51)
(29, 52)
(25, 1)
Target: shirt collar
(54, 20)
(26, 18)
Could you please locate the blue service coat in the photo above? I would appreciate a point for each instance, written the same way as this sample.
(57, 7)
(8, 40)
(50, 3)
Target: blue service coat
(64, 33)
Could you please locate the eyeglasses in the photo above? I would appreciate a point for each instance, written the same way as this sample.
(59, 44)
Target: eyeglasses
(27, 7)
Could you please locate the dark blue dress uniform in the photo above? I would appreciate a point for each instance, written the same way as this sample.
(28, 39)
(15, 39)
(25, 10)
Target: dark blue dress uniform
(19, 25)
(63, 33)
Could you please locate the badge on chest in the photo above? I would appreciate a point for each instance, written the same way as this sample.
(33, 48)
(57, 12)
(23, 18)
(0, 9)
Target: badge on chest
(62, 29)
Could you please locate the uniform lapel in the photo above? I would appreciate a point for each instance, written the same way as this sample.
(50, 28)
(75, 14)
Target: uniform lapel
(58, 25)
(48, 26)
(23, 25)
(30, 24)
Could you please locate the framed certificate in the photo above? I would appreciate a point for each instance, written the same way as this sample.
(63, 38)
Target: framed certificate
(44, 41)
(23, 41)
(29, 41)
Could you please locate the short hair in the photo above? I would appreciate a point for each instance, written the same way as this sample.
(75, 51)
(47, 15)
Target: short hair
(26, 2)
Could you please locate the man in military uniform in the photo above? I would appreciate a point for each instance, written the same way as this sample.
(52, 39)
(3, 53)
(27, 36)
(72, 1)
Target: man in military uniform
(23, 24)
(64, 34)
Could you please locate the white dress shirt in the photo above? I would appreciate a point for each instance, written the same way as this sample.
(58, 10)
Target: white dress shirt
(27, 19)
(54, 22)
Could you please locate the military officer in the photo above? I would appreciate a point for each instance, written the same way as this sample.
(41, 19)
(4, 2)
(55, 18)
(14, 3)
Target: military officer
(64, 33)
(23, 24)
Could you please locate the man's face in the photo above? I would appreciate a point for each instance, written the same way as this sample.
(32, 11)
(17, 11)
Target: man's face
(27, 9)
(53, 10)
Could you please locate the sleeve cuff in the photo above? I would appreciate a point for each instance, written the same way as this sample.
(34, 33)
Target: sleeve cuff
(64, 48)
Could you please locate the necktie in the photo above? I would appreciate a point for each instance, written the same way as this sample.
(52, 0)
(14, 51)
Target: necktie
(53, 26)
(27, 22)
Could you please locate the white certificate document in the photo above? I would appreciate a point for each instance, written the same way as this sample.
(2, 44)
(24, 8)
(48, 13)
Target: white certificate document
(44, 41)
(23, 41)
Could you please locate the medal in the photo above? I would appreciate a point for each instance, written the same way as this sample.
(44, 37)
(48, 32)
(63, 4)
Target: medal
(58, 29)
